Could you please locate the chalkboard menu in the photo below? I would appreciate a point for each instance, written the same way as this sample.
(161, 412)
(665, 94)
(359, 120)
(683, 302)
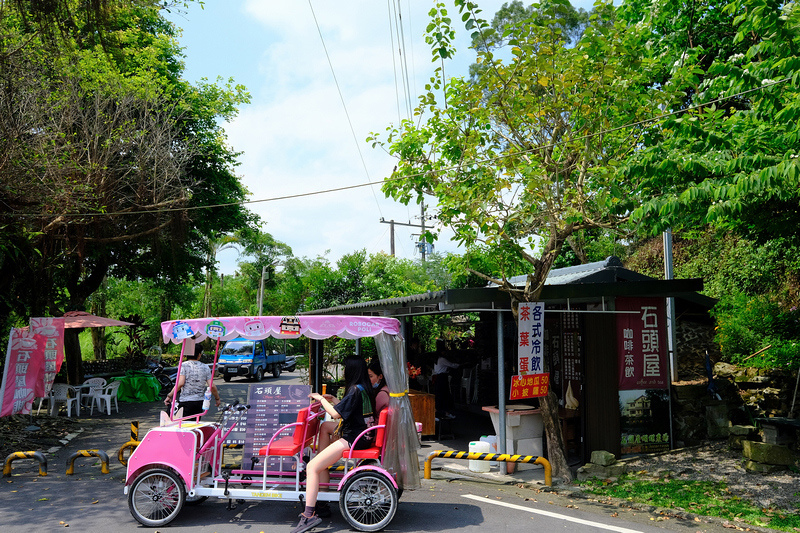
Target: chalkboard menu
(271, 407)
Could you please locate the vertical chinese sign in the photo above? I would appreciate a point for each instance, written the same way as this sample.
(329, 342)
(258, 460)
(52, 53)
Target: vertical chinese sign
(643, 374)
(33, 359)
(532, 381)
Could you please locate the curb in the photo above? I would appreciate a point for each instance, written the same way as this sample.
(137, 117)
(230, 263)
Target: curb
(66, 440)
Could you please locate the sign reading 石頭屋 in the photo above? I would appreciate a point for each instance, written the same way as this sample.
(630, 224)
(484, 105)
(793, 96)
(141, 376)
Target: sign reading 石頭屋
(33, 359)
(532, 380)
(642, 342)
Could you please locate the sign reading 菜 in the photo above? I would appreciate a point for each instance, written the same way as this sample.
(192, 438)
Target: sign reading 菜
(642, 342)
(33, 359)
(532, 381)
(530, 345)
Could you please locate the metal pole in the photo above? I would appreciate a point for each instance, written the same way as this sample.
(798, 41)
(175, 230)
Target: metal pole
(261, 290)
(501, 386)
(391, 236)
(673, 354)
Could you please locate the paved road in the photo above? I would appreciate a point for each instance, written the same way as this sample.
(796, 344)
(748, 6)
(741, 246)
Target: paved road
(93, 502)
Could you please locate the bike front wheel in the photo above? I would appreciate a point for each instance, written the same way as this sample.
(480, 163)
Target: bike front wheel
(156, 497)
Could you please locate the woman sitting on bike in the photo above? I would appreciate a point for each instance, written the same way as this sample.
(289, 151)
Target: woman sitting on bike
(350, 410)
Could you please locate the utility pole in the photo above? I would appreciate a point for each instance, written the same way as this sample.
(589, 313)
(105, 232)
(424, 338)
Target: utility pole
(422, 245)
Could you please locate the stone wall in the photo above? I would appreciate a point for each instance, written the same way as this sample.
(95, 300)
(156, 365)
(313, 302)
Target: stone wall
(744, 395)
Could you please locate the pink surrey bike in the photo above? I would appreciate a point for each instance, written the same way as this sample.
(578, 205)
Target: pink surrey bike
(181, 462)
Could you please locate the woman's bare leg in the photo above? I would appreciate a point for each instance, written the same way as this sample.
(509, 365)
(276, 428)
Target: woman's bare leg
(317, 470)
(326, 430)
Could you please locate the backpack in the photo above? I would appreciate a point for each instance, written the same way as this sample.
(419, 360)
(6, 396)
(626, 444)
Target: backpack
(369, 418)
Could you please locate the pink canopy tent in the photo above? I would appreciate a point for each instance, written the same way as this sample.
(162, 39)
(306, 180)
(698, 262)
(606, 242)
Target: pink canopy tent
(82, 319)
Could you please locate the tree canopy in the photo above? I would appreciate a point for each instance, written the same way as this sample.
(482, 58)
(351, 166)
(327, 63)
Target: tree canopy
(728, 156)
(110, 160)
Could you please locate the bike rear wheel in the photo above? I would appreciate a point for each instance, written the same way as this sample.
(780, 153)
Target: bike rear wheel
(368, 501)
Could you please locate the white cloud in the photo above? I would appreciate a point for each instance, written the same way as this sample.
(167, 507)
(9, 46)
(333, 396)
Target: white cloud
(295, 135)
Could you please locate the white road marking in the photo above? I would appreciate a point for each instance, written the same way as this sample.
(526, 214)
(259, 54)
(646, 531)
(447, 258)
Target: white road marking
(551, 515)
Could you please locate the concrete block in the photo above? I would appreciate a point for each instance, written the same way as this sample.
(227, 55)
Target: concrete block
(761, 468)
(770, 454)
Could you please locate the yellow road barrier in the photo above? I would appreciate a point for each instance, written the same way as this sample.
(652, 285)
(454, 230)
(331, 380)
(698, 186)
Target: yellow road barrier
(39, 456)
(88, 453)
(501, 457)
(132, 444)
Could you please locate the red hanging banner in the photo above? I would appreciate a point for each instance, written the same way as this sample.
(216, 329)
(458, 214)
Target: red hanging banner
(33, 359)
(642, 343)
(530, 386)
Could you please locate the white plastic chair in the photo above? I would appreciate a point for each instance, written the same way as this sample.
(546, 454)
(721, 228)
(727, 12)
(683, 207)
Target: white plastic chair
(60, 394)
(97, 385)
(109, 393)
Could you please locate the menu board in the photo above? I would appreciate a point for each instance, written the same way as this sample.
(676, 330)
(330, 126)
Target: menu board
(271, 407)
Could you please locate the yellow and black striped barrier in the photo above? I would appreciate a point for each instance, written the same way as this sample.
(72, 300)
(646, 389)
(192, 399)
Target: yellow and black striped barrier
(132, 444)
(88, 453)
(39, 456)
(501, 457)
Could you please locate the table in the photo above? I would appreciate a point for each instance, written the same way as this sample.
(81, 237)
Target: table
(779, 430)
(77, 390)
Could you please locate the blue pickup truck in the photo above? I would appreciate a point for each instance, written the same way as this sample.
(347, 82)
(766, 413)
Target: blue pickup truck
(249, 358)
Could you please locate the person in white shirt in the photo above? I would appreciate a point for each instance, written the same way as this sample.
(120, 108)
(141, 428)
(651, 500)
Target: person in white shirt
(441, 382)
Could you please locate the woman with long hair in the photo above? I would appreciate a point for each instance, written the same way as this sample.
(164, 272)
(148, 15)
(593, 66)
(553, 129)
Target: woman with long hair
(351, 411)
(379, 387)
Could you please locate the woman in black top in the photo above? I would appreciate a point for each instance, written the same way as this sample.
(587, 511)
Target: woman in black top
(351, 412)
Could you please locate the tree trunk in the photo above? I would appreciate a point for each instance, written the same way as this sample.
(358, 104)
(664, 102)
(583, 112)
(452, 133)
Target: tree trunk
(555, 438)
(99, 334)
(72, 356)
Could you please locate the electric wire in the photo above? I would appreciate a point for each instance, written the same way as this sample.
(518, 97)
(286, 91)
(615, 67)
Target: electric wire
(394, 61)
(344, 105)
(655, 119)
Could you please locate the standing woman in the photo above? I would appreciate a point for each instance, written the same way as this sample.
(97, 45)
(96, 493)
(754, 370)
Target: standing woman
(350, 410)
(192, 383)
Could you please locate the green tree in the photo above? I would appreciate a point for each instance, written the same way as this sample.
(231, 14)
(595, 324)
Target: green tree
(525, 155)
(108, 159)
(729, 156)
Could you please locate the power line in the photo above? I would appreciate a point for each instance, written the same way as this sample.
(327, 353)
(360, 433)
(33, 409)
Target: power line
(344, 105)
(444, 169)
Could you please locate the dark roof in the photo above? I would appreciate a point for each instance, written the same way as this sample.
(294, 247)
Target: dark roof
(576, 284)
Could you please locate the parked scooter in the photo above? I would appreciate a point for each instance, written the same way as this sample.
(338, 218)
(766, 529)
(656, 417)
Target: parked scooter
(166, 376)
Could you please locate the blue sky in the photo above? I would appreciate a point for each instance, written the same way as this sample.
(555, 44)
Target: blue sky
(295, 135)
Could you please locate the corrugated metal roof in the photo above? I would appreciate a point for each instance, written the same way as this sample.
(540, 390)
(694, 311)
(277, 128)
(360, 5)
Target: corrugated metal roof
(610, 270)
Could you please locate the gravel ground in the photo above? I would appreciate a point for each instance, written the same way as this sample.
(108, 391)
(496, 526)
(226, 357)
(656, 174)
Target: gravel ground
(714, 461)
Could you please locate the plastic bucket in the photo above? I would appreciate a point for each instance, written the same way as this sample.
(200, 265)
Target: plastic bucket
(477, 446)
(492, 440)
